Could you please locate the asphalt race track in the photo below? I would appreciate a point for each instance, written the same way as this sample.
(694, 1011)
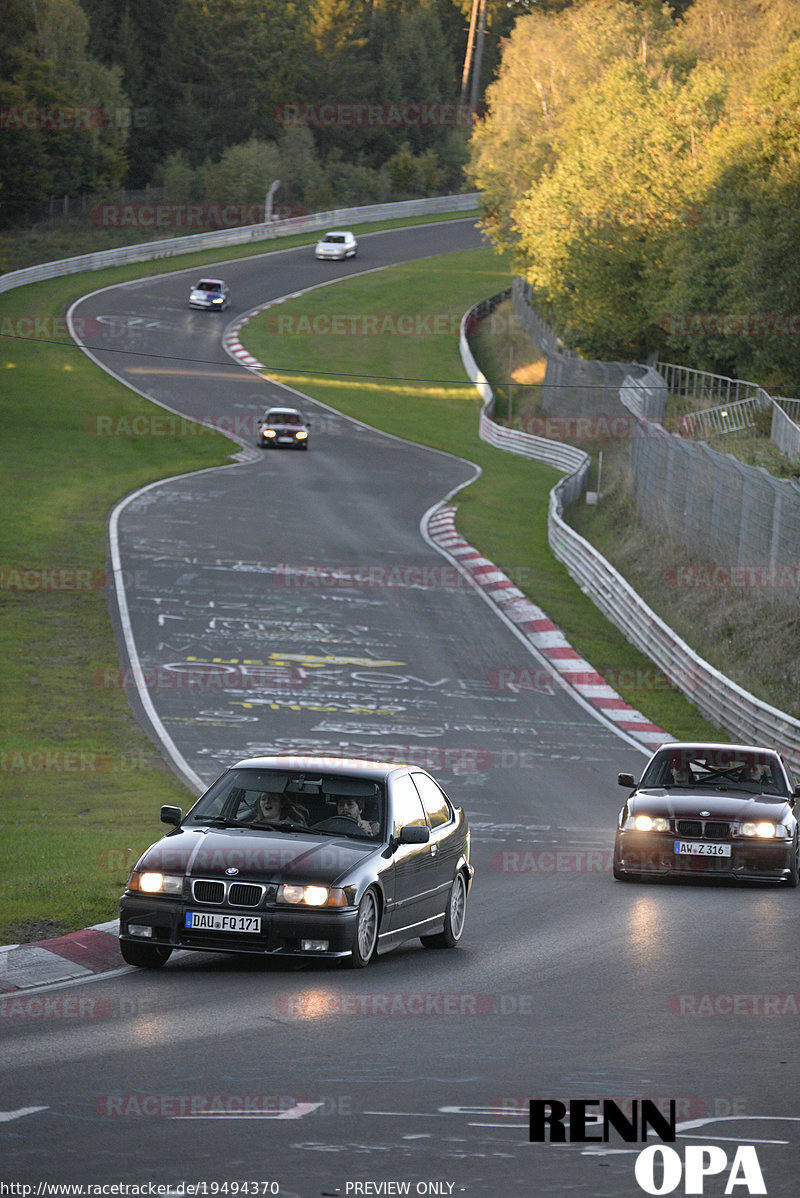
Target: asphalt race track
(253, 635)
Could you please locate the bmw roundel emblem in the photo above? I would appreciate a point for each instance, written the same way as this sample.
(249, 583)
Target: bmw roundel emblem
(231, 870)
(705, 812)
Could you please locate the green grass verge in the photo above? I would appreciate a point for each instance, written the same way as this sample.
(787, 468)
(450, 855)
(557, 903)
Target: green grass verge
(80, 782)
(504, 513)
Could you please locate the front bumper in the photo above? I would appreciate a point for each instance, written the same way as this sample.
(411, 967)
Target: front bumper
(750, 860)
(282, 928)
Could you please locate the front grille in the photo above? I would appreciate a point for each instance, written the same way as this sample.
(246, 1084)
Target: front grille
(242, 894)
(239, 894)
(205, 891)
(708, 830)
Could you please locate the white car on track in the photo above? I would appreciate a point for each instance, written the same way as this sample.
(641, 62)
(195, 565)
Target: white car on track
(336, 244)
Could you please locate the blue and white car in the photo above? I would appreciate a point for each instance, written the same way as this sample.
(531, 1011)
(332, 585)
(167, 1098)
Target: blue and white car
(210, 294)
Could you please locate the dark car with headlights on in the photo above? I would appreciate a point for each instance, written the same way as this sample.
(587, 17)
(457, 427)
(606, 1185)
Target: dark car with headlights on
(210, 294)
(301, 857)
(283, 427)
(723, 811)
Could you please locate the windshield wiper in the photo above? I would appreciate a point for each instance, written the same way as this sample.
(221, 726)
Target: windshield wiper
(279, 826)
(217, 821)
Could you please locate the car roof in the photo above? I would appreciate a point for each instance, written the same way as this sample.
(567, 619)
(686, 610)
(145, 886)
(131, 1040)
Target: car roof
(338, 766)
(700, 745)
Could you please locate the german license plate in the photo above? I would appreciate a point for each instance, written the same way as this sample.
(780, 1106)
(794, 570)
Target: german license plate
(700, 848)
(215, 921)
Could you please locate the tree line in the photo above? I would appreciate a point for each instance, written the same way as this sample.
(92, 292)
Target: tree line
(643, 163)
(346, 101)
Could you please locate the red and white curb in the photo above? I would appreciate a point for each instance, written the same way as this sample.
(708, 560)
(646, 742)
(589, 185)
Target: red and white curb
(63, 959)
(231, 341)
(544, 636)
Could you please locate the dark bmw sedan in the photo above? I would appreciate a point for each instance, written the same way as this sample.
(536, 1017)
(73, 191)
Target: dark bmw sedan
(303, 857)
(709, 809)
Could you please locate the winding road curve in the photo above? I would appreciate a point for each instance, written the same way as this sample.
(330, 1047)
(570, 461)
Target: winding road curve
(242, 616)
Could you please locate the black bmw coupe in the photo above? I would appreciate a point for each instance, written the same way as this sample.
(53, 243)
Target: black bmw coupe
(303, 857)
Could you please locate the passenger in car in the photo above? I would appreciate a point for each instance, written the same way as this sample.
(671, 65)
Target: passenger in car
(278, 809)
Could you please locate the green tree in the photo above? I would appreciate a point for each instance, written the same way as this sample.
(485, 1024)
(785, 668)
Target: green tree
(82, 110)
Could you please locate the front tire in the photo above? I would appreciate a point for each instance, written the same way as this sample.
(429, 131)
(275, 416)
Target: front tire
(455, 916)
(365, 937)
(146, 956)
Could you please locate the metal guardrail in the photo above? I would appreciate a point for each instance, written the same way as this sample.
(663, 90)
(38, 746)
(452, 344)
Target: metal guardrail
(742, 715)
(551, 453)
(730, 418)
(737, 402)
(149, 251)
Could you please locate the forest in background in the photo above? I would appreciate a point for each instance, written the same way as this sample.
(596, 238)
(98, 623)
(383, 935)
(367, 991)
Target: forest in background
(346, 101)
(640, 158)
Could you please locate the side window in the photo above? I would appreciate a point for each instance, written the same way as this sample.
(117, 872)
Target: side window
(434, 801)
(407, 806)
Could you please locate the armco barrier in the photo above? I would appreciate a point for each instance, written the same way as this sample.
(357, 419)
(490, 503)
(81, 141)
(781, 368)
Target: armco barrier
(150, 251)
(743, 716)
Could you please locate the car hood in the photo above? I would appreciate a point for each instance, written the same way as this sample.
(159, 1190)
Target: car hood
(725, 804)
(259, 856)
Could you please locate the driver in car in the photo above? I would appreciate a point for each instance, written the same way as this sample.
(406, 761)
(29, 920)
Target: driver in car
(354, 809)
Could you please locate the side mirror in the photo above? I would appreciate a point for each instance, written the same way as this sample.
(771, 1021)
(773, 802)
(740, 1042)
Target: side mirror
(626, 780)
(171, 815)
(414, 834)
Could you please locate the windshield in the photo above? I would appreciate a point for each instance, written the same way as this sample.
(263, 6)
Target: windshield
(209, 285)
(729, 769)
(283, 418)
(321, 802)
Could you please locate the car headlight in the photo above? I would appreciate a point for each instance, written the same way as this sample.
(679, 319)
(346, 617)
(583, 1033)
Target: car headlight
(763, 829)
(149, 881)
(301, 435)
(651, 823)
(268, 432)
(311, 896)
